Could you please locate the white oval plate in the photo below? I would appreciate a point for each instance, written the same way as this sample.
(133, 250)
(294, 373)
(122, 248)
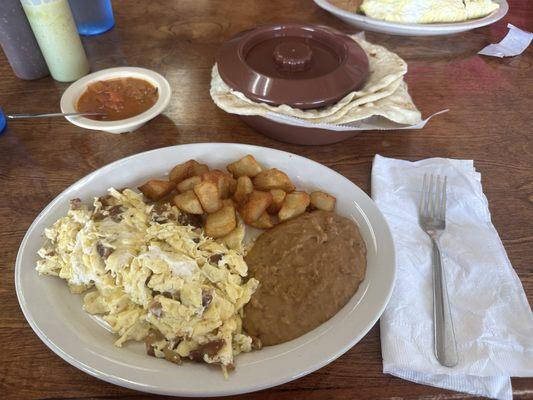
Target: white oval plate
(396, 28)
(57, 317)
(70, 98)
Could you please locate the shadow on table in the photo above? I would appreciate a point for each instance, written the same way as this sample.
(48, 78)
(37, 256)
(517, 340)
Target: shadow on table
(94, 149)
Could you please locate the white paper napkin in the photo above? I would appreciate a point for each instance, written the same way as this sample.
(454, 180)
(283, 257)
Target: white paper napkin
(513, 44)
(492, 317)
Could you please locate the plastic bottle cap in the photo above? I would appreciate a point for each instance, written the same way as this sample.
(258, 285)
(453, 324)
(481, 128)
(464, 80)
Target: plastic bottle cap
(3, 122)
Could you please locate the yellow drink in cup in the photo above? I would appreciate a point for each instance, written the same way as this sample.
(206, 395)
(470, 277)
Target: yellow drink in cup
(57, 36)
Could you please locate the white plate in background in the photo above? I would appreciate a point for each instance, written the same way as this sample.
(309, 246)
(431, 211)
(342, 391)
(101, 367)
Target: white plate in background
(395, 28)
(57, 317)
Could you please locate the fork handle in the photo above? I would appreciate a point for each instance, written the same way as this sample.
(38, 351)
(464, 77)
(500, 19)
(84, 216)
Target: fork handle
(445, 344)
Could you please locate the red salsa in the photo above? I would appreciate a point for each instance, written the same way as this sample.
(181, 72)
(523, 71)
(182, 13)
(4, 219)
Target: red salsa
(119, 98)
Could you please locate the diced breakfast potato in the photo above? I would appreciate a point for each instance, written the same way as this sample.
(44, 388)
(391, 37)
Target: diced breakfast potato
(244, 188)
(223, 180)
(183, 171)
(228, 202)
(263, 197)
(265, 221)
(221, 222)
(246, 166)
(256, 205)
(232, 184)
(156, 189)
(278, 196)
(295, 204)
(207, 193)
(323, 201)
(198, 169)
(273, 179)
(188, 202)
(188, 183)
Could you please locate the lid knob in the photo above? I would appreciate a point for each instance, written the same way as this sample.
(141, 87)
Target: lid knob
(293, 56)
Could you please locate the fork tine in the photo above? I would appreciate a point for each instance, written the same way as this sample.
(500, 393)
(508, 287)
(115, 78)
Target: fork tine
(421, 206)
(443, 200)
(437, 199)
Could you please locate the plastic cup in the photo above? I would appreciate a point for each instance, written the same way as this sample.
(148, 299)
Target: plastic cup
(92, 17)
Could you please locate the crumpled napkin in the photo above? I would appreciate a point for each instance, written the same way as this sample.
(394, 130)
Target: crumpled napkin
(513, 44)
(492, 317)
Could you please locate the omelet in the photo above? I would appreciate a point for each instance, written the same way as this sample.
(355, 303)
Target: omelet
(153, 276)
(427, 11)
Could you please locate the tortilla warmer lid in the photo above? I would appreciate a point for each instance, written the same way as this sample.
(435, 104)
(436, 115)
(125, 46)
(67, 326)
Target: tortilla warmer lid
(303, 66)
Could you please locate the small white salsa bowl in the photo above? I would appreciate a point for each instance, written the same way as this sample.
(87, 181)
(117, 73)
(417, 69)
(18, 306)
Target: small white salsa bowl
(71, 96)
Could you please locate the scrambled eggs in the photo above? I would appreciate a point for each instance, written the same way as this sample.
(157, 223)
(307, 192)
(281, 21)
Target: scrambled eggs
(153, 276)
(427, 11)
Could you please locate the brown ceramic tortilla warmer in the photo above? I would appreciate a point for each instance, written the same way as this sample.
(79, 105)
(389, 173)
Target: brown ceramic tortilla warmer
(303, 66)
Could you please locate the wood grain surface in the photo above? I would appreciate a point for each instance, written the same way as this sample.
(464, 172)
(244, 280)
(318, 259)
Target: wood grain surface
(490, 102)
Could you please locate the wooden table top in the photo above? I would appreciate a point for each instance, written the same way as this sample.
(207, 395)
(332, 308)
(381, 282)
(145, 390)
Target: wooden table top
(489, 121)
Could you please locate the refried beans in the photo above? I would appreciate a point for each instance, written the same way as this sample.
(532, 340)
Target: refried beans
(308, 269)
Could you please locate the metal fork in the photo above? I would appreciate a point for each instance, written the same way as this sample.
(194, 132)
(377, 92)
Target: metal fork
(432, 214)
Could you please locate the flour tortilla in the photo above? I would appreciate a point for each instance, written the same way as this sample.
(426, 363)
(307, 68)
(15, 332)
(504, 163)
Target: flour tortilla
(386, 72)
(398, 107)
(351, 107)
